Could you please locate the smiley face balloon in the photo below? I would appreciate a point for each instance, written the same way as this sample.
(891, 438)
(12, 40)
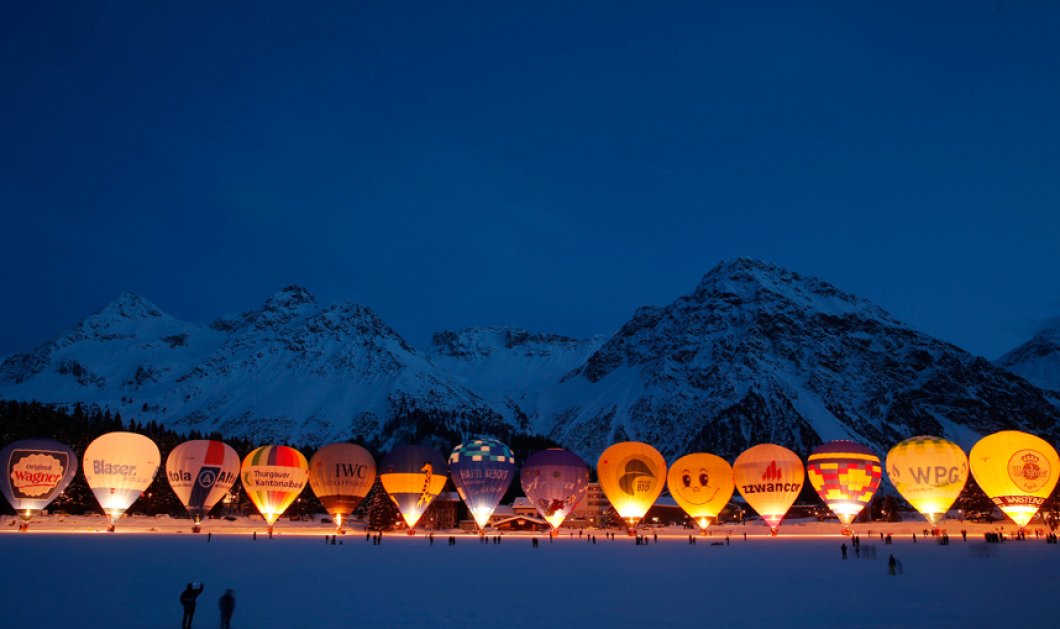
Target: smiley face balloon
(702, 484)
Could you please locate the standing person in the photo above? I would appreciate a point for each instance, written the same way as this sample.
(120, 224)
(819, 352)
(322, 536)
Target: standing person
(843, 549)
(891, 564)
(228, 605)
(187, 600)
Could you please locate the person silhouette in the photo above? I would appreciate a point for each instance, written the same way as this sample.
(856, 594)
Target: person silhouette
(187, 599)
(228, 605)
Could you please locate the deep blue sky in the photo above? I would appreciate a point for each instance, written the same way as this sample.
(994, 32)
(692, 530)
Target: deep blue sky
(546, 165)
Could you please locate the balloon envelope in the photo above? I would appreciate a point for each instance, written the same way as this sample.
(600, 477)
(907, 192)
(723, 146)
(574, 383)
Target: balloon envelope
(632, 475)
(482, 470)
(119, 466)
(769, 478)
(36, 471)
(929, 472)
(413, 476)
(555, 481)
(273, 476)
(846, 475)
(201, 472)
(702, 485)
(1016, 470)
(341, 475)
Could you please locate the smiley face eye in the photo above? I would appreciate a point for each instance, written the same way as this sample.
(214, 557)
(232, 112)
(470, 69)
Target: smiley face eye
(687, 480)
(703, 479)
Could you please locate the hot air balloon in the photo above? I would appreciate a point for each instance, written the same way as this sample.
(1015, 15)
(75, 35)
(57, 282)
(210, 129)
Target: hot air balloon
(769, 478)
(555, 481)
(273, 476)
(482, 470)
(1017, 471)
(632, 475)
(702, 484)
(929, 472)
(201, 472)
(846, 475)
(119, 466)
(341, 475)
(36, 471)
(413, 476)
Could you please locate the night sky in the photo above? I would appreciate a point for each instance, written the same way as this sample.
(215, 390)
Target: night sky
(547, 165)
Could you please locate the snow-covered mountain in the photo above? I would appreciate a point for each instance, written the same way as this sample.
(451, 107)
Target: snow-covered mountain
(755, 353)
(1037, 360)
(512, 368)
(761, 354)
(290, 371)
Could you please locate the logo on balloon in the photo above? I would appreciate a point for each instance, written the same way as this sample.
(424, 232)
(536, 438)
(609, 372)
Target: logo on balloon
(1028, 469)
(35, 475)
(207, 478)
(772, 472)
(695, 488)
(637, 478)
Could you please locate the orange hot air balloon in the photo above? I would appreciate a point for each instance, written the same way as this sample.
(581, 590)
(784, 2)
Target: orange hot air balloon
(702, 484)
(1016, 470)
(273, 476)
(341, 475)
(929, 472)
(632, 475)
(769, 478)
(846, 475)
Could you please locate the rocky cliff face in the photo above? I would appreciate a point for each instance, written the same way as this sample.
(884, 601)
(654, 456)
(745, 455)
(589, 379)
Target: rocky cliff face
(758, 353)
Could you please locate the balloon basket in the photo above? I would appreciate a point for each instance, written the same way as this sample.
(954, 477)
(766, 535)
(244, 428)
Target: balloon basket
(410, 532)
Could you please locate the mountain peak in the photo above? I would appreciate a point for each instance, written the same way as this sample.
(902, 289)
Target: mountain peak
(746, 280)
(130, 306)
(290, 298)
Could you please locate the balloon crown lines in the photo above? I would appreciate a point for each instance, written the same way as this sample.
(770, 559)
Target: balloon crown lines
(1017, 471)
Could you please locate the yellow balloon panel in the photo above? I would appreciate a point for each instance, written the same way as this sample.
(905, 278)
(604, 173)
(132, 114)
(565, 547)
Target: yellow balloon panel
(632, 475)
(1016, 470)
(929, 472)
(702, 484)
(769, 477)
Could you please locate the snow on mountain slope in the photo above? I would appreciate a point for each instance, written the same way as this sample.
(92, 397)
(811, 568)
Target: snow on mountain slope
(760, 354)
(510, 367)
(290, 371)
(1037, 360)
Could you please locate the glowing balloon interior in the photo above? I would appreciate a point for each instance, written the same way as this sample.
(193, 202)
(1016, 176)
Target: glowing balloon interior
(36, 472)
(769, 478)
(632, 475)
(929, 472)
(273, 476)
(413, 476)
(119, 467)
(341, 475)
(846, 475)
(702, 485)
(555, 481)
(482, 470)
(201, 472)
(1016, 470)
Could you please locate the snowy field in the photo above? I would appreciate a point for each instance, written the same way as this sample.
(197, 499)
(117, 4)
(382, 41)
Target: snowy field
(133, 580)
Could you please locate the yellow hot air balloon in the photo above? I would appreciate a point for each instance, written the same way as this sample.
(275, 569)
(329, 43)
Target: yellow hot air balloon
(702, 484)
(273, 476)
(632, 475)
(341, 475)
(769, 478)
(929, 472)
(1017, 471)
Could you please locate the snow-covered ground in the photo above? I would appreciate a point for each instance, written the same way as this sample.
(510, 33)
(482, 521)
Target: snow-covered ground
(133, 578)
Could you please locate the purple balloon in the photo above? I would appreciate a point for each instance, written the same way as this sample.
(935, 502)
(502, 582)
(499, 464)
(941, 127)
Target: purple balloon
(555, 481)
